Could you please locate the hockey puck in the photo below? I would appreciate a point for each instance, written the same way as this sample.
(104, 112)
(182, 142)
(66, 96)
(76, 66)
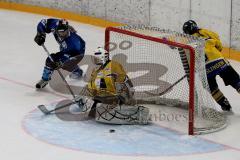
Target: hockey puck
(111, 130)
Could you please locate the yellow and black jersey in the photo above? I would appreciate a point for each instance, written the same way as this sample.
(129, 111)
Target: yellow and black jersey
(213, 45)
(102, 82)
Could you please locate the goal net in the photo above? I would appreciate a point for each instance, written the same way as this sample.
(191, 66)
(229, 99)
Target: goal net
(167, 69)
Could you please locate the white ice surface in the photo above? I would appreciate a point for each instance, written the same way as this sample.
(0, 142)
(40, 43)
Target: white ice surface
(21, 66)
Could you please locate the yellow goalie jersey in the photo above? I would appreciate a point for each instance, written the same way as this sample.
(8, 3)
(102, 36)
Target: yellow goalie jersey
(213, 45)
(102, 82)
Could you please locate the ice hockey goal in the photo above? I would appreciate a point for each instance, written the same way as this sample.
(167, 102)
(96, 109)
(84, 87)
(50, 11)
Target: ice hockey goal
(167, 69)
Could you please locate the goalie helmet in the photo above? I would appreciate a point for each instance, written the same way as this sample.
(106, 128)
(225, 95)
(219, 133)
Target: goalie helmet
(62, 28)
(101, 55)
(190, 27)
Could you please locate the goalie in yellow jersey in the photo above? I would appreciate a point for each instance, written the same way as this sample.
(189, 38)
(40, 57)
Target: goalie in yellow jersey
(216, 64)
(113, 92)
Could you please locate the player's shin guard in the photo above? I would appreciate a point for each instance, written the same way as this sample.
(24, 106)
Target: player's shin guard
(47, 73)
(221, 100)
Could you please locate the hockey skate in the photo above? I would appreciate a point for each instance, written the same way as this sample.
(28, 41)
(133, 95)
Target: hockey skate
(41, 84)
(227, 111)
(226, 107)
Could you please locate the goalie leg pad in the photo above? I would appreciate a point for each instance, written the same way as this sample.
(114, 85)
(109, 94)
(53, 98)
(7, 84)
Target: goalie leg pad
(122, 114)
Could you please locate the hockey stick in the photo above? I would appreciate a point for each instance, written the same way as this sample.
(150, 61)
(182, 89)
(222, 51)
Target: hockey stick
(167, 89)
(46, 111)
(59, 72)
(78, 100)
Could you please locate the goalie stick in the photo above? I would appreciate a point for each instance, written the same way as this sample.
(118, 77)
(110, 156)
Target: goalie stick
(79, 100)
(185, 67)
(167, 89)
(44, 110)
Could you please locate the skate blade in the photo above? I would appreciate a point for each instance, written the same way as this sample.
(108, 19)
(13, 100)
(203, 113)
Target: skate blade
(228, 113)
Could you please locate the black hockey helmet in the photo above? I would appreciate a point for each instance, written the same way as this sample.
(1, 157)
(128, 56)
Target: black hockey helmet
(190, 27)
(62, 29)
(62, 25)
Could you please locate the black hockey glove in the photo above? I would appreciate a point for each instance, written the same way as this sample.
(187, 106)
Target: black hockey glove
(57, 65)
(40, 38)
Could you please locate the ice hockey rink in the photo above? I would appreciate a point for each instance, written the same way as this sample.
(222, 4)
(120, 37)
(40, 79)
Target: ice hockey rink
(28, 135)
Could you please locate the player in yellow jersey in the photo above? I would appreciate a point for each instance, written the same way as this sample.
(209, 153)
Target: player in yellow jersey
(216, 64)
(110, 84)
(109, 79)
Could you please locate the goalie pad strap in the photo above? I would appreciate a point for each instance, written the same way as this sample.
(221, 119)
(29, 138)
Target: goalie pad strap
(124, 114)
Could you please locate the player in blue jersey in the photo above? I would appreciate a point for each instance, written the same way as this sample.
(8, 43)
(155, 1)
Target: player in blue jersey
(72, 48)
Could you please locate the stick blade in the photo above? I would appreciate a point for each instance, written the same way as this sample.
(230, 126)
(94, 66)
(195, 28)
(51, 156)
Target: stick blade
(43, 109)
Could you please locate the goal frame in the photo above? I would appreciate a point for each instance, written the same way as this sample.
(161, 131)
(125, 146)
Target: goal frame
(170, 43)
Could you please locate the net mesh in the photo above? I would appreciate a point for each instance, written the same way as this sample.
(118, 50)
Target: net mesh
(160, 72)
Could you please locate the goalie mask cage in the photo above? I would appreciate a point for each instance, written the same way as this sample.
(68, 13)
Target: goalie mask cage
(167, 69)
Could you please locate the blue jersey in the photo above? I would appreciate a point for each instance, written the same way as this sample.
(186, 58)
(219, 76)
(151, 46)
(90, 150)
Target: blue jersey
(72, 45)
